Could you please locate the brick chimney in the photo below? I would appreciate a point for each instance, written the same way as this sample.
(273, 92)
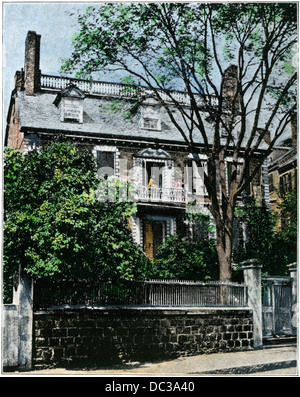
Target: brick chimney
(32, 63)
(230, 87)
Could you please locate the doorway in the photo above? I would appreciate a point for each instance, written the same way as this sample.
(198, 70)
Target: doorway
(153, 174)
(154, 236)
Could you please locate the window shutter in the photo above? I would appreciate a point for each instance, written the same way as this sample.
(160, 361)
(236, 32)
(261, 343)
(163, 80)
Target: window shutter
(271, 183)
(198, 170)
(281, 186)
(148, 240)
(189, 176)
(289, 188)
(195, 177)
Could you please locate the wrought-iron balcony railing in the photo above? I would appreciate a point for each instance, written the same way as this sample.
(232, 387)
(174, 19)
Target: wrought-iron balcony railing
(169, 195)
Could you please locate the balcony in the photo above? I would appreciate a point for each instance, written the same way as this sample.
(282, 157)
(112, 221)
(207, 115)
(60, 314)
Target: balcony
(157, 194)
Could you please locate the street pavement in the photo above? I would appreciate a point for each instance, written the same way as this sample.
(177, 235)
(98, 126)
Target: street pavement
(279, 360)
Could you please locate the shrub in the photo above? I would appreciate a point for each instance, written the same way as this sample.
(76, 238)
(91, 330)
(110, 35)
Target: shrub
(275, 250)
(185, 260)
(56, 227)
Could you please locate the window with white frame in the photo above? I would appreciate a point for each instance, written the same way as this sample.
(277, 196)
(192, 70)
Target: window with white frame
(106, 157)
(70, 103)
(71, 110)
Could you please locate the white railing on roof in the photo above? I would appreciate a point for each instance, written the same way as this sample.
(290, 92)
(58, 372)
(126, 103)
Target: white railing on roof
(114, 90)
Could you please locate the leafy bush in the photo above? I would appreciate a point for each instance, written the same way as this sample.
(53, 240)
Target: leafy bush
(275, 250)
(180, 259)
(260, 224)
(284, 242)
(55, 225)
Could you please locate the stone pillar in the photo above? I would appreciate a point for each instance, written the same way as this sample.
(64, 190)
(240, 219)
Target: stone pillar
(252, 278)
(294, 314)
(10, 337)
(23, 299)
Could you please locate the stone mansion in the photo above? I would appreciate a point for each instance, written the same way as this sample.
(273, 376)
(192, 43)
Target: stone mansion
(146, 149)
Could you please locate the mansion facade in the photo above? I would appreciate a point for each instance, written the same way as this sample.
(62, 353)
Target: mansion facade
(145, 149)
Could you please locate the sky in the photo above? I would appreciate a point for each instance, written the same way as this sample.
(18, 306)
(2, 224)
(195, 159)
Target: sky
(52, 20)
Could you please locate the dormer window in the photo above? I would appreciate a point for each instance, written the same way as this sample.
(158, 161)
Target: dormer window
(71, 110)
(70, 103)
(150, 123)
(151, 118)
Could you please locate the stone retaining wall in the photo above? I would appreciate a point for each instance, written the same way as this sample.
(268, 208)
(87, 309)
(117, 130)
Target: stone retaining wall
(95, 337)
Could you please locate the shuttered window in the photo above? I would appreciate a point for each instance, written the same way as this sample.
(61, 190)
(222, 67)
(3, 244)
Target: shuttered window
(285, 184)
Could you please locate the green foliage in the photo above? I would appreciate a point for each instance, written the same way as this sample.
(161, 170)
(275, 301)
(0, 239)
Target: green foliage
(259, 225)
(194, 216)
(55, 224)
(275, 250)
(285, 241)
(289, 207)
(159, 43)
(139, 31)
(189, 46)
(185, 260)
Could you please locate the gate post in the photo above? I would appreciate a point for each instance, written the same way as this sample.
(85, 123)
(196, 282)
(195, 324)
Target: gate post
(252, 278)
(23, 299)
(294, 312)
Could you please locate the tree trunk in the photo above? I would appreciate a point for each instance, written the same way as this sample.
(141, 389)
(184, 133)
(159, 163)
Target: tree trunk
(224, 243)
(224, 256)
(222, 207)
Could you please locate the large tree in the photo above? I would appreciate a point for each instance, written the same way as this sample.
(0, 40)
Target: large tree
(233, 60)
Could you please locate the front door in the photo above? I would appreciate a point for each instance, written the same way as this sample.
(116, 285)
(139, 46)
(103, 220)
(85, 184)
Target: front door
(153, 238)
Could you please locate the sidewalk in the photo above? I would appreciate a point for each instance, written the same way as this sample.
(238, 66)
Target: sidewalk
(271, 360)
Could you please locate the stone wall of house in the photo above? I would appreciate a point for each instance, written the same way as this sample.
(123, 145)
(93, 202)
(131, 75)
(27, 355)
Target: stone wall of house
(286, 166)
(95, 337)
(14, 136)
